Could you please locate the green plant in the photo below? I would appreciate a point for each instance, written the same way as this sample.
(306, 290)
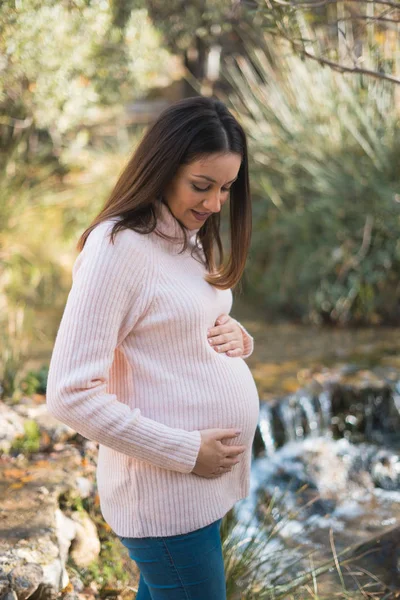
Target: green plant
(30, 441)
(324, 153)
(13, 350)
(259, 565)
(35, 381)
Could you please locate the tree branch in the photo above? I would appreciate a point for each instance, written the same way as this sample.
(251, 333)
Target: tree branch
(298, 47)
(354, 261)
(318, 3)
(365, 17)
(343, 69)
(298, 43)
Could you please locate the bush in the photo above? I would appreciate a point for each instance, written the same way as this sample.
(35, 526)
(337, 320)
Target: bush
(324, 151)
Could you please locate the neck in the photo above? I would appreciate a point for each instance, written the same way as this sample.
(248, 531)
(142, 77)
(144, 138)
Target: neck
(167, 224)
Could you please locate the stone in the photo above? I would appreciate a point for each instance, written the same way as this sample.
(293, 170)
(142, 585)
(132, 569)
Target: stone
(25, 579)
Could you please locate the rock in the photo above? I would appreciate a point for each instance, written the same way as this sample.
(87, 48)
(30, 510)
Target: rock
(66, 532)
(385, 470)
(25, 579)
(44, 592)
(352, 403)
(11, 595)
(37, 537)
(86, 546)
(57, 431)
(386, 549)
(77, 584)
(5, 585)
(12, 425)
(33, 528)
(85, 486)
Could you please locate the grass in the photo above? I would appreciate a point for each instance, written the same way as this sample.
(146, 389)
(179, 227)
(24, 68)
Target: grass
(283, 575)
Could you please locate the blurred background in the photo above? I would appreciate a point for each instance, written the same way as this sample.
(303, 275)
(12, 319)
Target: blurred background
(316, 86)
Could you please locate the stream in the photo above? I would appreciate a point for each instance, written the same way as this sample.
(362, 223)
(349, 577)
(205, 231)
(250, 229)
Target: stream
(326, 455)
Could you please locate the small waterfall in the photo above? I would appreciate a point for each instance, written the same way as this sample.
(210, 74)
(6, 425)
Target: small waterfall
(288, 416)
(299, 417)
(327, 458)
(311, 415)
(369, 415)
(338, 410)
(325, 402)
(267, 429)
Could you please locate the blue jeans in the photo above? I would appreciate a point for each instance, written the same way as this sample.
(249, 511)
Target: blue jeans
(188, 566)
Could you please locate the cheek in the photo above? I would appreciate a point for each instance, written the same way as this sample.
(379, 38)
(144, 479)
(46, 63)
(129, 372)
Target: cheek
(190, 197)
(183, 197)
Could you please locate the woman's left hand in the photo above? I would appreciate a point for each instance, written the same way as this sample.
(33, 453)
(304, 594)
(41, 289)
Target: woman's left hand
(226, 336)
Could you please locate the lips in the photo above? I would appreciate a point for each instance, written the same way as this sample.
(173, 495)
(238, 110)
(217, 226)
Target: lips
(200, 216)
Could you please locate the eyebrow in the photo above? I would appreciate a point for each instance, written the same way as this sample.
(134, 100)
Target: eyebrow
(211, 179)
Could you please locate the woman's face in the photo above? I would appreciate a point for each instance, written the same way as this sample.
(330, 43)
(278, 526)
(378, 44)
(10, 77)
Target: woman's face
(202, 187)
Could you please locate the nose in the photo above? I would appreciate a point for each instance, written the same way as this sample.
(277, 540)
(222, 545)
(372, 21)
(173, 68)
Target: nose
(213, 202)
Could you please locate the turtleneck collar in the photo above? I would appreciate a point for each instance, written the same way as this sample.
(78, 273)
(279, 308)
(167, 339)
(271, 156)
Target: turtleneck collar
(167, 224)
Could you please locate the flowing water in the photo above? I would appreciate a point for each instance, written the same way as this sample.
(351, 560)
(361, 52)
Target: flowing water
(326, 456)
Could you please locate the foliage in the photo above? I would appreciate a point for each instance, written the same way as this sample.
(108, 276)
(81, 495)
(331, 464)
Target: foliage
(14, 325)
(65, 67)
(260, 565)
(40, 221)
(30, 441)
(35, 381)
(201, 18)
(30, 278)
(61, 61)
(324, 150)
(347, 36)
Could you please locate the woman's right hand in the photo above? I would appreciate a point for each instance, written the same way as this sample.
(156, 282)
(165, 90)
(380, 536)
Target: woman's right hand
(215, 458)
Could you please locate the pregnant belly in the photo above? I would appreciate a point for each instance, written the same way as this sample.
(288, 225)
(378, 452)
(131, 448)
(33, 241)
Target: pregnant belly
(216, 392)
(227, 397)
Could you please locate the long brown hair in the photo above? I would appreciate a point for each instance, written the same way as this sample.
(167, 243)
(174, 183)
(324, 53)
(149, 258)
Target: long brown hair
(185, 131)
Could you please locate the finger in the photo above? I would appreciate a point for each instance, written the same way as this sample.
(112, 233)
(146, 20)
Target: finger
(221, 434)
(232, 451)
(230, 462)
(219, 349)
(225, 347)
(224, 318)
(223, 338)
(226, 328)
(221, 471)
(213, 331)
(235, 352)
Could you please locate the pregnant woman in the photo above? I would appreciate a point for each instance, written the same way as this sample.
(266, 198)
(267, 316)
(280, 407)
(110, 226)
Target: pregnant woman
(147, 360)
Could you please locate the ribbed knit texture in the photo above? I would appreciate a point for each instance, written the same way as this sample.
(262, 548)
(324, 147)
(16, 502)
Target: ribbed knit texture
(132, 369)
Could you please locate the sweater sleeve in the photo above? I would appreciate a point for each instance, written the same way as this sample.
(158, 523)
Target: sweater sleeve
(248, 341)
(111, 287)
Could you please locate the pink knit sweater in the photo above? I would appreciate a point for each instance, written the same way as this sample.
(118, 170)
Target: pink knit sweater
(132, 369)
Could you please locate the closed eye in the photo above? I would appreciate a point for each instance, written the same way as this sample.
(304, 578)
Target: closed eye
(197, 189)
